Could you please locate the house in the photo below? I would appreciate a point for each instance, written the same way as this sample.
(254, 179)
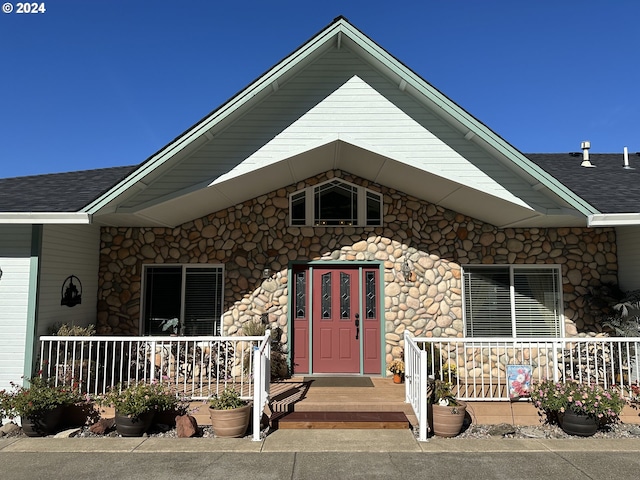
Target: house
(339, 197)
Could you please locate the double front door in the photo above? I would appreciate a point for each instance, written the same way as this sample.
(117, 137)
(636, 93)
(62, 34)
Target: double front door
(336, 318)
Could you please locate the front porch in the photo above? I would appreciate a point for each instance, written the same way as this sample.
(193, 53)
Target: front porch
(198, 367)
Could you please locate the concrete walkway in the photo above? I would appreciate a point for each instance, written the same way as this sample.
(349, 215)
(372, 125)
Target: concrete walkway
(318, 454)
(340, 441)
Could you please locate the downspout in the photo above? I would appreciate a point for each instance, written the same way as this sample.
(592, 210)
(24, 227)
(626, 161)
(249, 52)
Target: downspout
(31, 328)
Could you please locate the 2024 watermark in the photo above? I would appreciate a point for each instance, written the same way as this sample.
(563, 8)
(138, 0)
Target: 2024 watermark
(20, 7)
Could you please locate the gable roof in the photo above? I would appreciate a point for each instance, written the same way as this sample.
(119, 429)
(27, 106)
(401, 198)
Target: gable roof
(293, 122)
(179, 181)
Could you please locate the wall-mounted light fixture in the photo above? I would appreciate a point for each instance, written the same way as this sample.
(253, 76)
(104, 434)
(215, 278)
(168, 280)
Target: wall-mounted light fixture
(266, 273)
(406, 270)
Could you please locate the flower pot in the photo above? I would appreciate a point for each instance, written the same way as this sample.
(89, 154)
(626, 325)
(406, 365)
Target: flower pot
(127, 426)
(578, 424)
(448, 421)
(397, 378)
(230, 423)
(42, 423)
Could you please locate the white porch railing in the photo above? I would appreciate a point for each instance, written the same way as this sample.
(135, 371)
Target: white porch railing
(415, 373)
(477, 367)
(195, 367)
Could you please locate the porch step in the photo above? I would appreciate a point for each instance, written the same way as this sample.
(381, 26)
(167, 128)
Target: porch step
(341, 420)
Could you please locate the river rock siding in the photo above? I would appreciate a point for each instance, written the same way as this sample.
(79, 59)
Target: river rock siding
(249, 236)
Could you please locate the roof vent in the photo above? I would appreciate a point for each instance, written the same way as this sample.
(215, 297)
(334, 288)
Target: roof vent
(585, 146)
(626, 159)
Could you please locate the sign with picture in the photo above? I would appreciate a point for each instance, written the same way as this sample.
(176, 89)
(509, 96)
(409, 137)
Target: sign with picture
(519, 381)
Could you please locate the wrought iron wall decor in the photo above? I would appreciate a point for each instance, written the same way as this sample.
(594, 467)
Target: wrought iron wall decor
(71, 291)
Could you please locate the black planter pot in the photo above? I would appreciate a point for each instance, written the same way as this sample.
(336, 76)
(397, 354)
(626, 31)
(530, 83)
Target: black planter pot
(580, 425)
(133, 426)
(42, 423)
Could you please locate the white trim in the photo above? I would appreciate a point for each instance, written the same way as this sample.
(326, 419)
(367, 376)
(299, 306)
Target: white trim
(45, 217)
(613, 219)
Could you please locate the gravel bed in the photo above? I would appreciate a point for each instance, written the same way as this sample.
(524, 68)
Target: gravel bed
(473, 431)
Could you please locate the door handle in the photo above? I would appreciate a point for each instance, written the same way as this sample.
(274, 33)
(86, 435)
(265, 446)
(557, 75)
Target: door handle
(357, 326)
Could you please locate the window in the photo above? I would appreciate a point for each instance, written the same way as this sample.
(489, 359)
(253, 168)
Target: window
(336, 203)
(512, 301)
(185, 300)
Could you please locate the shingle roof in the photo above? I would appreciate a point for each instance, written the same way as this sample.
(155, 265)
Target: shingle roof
(58, 192)
(607, 186)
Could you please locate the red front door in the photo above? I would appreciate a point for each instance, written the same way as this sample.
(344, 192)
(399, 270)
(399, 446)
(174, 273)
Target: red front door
(336, 319)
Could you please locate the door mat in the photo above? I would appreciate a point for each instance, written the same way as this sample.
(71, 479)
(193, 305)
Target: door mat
(339, 381)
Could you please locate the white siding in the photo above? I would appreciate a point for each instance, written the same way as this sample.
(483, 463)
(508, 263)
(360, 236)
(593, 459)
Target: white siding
(341, 96)
(628, 240)
(15, 251)
(68, 250)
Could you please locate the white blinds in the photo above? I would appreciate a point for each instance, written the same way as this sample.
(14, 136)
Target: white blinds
(536, 303)
(202, 300)
(511, 301)
(487, 302)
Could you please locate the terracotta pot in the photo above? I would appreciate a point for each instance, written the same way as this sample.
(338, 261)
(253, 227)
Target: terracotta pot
(43, 423)
(577, 424)
(397, 378)
(230, 423)
(448, 421)
(133, 426)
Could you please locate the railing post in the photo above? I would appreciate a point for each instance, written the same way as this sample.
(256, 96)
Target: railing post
(556, 346)
(423, 421)
(261, 380)
(257, 392)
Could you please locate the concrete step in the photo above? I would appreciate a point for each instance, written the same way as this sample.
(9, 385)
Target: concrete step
(341, 420)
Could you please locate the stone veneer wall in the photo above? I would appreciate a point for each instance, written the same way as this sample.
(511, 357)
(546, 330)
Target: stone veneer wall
(248, 237)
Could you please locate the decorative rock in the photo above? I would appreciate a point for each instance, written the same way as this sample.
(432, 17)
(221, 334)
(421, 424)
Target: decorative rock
(501, 429)
(72, 432)
(186, 426)
(9, 428)
(102, 426)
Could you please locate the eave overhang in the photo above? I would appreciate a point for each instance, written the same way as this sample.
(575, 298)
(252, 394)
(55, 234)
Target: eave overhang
(43, 218)
(613, 219)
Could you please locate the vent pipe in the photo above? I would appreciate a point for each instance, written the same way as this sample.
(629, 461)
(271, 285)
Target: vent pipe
(585, 146)
(626, 158)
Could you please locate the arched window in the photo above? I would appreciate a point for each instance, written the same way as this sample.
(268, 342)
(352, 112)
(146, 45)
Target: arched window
(335, 203)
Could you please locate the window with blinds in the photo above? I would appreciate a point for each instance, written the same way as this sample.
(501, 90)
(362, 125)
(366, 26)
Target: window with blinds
(512, 301)
(183, 300)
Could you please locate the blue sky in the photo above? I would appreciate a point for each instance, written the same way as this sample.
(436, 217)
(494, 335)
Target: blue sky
(99, 83)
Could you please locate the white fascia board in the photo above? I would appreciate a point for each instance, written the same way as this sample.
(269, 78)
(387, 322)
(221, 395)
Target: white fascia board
(613, 219)
(38, 218)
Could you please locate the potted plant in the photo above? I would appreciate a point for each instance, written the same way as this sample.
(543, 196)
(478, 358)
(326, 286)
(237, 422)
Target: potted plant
(447, 412)
(136, 405)
(39, 405)
(579, 408)
(229, 414)
(397, 368)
